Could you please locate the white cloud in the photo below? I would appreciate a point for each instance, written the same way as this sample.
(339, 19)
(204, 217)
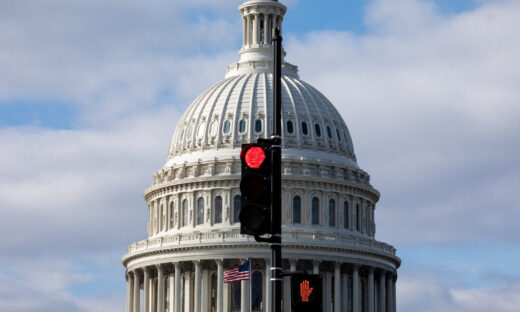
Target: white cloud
(111, 59)
(437, 290)
(432, 105)
(431, 101)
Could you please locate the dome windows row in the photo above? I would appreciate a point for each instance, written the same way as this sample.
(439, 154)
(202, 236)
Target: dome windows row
(258, 128)
(226, 129)
(317, 130)
(348, 214)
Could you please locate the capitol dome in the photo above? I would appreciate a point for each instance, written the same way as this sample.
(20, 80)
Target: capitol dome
(328, 203)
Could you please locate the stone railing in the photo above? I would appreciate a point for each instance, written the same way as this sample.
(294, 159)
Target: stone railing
(289, 237)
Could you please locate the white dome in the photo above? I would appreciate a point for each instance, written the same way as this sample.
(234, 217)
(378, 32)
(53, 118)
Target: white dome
(328, 205)
(238, 110)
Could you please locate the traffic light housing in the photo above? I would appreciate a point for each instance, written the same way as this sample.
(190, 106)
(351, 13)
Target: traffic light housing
(306, 293)
(255, 187)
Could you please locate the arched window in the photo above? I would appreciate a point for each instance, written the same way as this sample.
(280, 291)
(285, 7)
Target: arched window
(218, 209)
(213, 128)
(290, 127)
(318, 130)
(200, 211)
(227, 126)
(339, 136)
(190, 132)
(332, 212)
(200, 132)
(345, 215)
(235, 296)
(305, 131)
(315, 211)
(236, 208)
(256, 293)
(358, 217)
(242, 126)
(297, 210)
(329, 133)
(185, 213)
(258, 125)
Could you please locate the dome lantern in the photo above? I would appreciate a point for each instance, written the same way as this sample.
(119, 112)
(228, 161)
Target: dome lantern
(260, 19)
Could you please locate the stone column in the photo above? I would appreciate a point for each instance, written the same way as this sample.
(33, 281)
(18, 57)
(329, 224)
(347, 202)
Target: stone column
(315, 267)
(137, 292)
(249, 30)
(177, 300)
(356, 294)
(197, 292)
(286, 286)
(371, 289)
(382, 292)
(153, 295)
(171, 292)
(244, 296)
(244, 19)
(160, 288)
(129, 292)
(267, 29)
(220, 284)
(177, 220)
(394, 281)
(205, 291)
(292, 264)
(267, 277)
(255, 29)
(187, 292)
(150, 221)
(226, 290)
(327, 293)
(389, 294)
(168, 212)
(344, 291)
(337, 287)
(146, 290)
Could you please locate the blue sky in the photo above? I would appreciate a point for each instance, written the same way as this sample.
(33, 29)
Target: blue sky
(91, 90)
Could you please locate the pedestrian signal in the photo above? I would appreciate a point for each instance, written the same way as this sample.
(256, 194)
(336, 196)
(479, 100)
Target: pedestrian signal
(306, 293)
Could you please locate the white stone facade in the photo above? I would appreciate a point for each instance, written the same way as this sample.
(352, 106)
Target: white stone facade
(328, 202)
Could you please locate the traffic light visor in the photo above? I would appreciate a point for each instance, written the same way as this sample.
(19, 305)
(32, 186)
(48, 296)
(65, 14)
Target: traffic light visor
(254, 157)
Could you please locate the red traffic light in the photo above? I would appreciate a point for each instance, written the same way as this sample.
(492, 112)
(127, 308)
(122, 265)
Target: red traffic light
(254, 157)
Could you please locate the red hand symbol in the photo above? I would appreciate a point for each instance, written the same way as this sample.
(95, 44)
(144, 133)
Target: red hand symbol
(305, 291)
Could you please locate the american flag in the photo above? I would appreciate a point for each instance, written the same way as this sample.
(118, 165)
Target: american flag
(240, 273)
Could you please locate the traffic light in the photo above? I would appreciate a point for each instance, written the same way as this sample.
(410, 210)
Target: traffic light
(306, 293)
(255, 186)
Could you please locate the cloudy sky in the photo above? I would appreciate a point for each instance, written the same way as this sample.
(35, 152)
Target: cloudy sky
(91, 90)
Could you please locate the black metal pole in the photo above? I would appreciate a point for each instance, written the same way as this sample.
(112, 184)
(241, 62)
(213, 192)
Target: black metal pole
(276, 209)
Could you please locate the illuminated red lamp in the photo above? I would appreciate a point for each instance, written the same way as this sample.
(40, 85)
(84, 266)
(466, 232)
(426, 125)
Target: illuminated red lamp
(255, 157)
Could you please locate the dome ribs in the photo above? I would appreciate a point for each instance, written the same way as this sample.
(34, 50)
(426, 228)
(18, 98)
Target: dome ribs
(185, 121)
(296, 121)
(179, 133)
(252, 107)
(267, 123)
(236, 116)
(223, 118)
(212, 104)
(306, 118)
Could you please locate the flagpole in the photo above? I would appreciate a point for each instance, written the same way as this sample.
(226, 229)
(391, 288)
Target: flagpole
(250, 287)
